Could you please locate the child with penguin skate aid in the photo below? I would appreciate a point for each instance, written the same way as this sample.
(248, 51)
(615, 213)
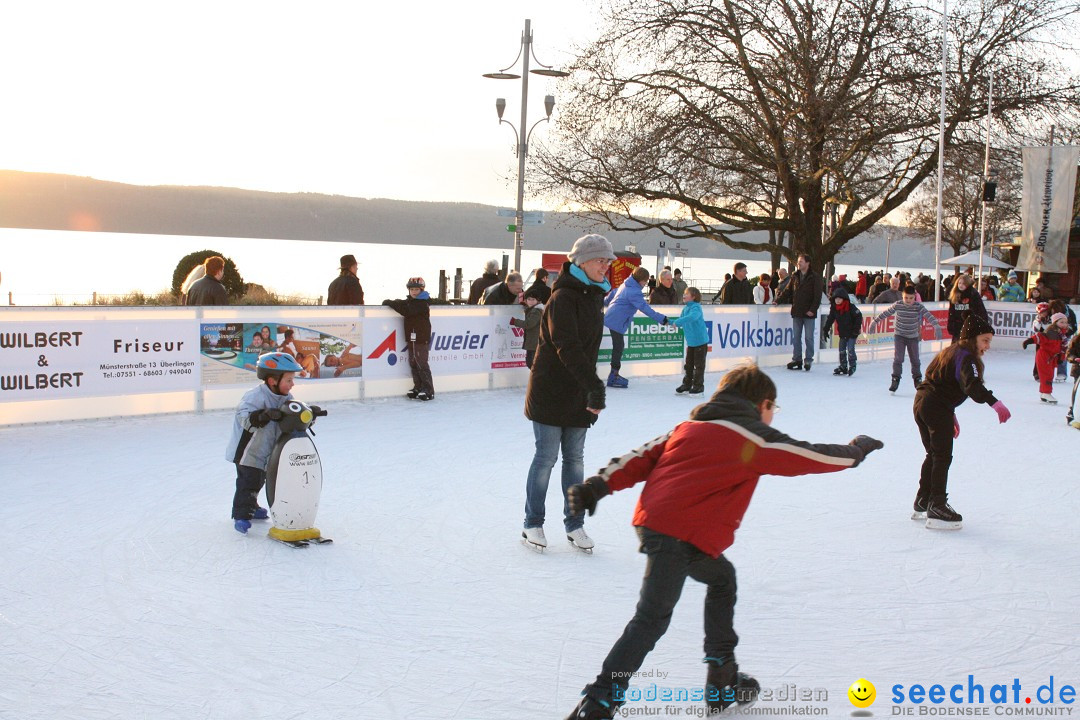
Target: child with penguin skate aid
(954, 375)
(699, 479)
(255, 431)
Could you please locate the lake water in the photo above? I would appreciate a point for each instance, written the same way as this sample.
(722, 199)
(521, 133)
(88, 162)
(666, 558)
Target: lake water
(48, 267)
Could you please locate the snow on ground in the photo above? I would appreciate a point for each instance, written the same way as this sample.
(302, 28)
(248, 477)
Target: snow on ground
(126, 594)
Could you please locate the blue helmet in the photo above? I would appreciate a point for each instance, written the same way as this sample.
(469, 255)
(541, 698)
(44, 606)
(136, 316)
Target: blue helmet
(275, 364)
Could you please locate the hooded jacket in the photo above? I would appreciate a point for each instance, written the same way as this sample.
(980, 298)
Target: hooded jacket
(624, 303)
(564, 369)
(417, 314)
(692, 322)
(248, 445)
(848, 324)
(968, 302)
(699, 477)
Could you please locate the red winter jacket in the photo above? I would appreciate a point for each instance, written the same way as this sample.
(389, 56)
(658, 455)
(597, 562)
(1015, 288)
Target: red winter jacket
(699, 477)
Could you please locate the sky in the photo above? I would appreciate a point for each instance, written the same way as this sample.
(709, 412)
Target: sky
(330, 96)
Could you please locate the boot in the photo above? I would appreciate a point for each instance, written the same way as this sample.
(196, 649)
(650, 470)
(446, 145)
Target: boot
(941, 516)
(592, 709)
(795, 365)
(917, 379)
(1048, 398)
(697, 390)
(683, 388)
(725, 685)
(919, 508)
(841, 370)
(851, 369)
(615, 380)
(893, 387)
(806, 365)
(412, 393)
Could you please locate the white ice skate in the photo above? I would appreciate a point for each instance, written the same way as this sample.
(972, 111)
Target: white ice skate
(1048, 398)
(580, 540)
(534, 538)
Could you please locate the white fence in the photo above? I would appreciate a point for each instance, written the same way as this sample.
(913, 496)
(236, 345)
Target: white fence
(68, 363)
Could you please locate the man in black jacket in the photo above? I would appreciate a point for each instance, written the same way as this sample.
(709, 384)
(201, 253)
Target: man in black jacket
(507, 292)
(346, 289)
(664, 292)
(565, 396)
(539, 288)
(737, 290)
(482, 283)
(804, 294)
(208, 289)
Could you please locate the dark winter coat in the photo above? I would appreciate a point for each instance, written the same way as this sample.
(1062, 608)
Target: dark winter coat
(966, 303)
(664, 295)
(345, 290)
(699, 477)
(417, 314)
(540, 290)
(479, 285)
(564, 370)
(498, 294)
(804, 293)
(961, 381)
(531, 325)
(1073, 356)
(848, 324)
(207, 290)
(737, 292)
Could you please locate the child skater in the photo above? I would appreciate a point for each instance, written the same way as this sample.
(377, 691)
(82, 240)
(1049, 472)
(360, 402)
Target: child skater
(964, 301)
(255, 431)
(692, 322)
(534, 311)
(848, 320)
(699, 479)
(907, 332)
(417, 312)
(1049, 353)
(954, 375)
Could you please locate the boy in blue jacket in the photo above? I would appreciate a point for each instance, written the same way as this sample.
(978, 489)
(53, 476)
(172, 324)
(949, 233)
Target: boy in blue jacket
(692, 322)
(622, 304)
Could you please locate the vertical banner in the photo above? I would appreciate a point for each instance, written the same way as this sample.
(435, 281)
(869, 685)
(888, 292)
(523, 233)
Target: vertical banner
(1049, 184)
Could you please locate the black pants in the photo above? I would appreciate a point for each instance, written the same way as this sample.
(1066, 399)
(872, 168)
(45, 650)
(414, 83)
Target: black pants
(694, 367)
(670, 562)
(421, 371)
(249, 481)
(529, 355)
(618, 343)
(935, 423)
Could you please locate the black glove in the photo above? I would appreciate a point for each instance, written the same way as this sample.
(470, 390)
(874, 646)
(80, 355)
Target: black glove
(584, 496)
(595, 399)
(260, 418)
(664, 321)
(867, 444)
(1029, 341)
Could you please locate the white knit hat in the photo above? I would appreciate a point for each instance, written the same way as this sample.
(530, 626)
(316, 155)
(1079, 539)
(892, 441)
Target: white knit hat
(590, 247)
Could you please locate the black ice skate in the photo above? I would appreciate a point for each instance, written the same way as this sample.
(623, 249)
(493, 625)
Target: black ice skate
(941, 516)
(806, 365)
(917, 379)
(683, 388)
(726, 686)
(592, 709)
(839, 370)
(894, 386)
(919, 508)
(795, 365)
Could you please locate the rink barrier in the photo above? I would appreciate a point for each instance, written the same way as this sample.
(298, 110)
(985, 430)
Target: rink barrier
(73, 363)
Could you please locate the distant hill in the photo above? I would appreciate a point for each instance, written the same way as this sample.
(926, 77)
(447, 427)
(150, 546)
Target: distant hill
(66, 202)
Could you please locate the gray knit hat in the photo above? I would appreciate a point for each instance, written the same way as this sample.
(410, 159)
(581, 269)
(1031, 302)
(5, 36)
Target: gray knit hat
(590, 247)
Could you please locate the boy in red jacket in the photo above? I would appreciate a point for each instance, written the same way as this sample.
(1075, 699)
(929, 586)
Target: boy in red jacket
(699, 479)
(1048, 354)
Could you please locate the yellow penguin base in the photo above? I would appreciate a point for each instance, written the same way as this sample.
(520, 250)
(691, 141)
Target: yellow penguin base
(294, 535)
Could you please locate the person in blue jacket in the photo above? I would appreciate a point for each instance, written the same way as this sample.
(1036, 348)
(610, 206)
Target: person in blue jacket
(692, 322)
(622, 304)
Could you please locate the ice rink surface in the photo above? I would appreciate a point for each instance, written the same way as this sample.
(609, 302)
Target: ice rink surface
(126, 593)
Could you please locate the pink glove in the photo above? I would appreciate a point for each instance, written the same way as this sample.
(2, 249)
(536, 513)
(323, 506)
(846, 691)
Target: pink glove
(1002, 411)
(955, 427)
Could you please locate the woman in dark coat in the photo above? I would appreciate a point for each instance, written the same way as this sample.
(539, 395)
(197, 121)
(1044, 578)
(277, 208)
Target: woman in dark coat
(963, 301)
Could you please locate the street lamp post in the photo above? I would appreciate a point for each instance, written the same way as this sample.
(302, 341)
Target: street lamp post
(521, 130)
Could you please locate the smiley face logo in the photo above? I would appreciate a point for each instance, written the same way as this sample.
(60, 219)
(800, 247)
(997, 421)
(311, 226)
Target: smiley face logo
(862, 693)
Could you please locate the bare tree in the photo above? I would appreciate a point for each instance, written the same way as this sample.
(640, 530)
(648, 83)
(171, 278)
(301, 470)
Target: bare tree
(716, 118)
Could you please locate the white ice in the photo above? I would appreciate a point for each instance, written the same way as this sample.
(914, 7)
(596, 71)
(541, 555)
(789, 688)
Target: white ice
(126, 593)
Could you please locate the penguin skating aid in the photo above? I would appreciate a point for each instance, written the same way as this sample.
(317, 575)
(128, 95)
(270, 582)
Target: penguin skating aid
(294, 478)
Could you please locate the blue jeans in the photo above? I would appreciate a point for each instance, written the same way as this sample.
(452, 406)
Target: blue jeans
(802, 326)
(548, 441)
(847, 352)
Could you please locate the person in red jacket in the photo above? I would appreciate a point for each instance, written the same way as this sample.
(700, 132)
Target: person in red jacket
(699, 479)
(1049, 352)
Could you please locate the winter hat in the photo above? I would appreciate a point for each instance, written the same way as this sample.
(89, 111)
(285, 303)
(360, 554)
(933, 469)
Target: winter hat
(1058, 316)
(415, 282)
(975, 326)
(533, 293)
(1042, 307)
(1012, 274)
(347, 261)
(590, 247)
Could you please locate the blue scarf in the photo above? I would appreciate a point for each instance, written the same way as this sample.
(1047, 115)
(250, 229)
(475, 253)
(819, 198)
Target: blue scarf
(580, 275)
(423, 295)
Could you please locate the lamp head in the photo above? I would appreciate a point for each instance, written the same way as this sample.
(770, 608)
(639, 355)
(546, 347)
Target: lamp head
(549, 104)
(500, 106)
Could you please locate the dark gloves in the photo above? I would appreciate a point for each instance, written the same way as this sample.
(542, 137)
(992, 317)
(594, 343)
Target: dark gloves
(584, 496)
(1029, 341)
(260, 418)
(594, 400)
(867, 444)
(664, 321)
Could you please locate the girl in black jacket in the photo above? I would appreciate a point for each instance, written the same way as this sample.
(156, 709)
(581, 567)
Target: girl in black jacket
(964, 301)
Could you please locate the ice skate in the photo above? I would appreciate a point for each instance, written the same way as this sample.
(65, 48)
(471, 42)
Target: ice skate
(919, 508)
(615, 380)
(841, 370)
(1048, 398)
(412, 394)
(941, 516)
(593, 709)
(917, 379)
(697, 390)
(534, 538)
(895, 384)
(682, 388)
(851, 370)
(795, 365)
(581, 541)
(806, 365)
(726, 686)
(424, 395)
(242, 526)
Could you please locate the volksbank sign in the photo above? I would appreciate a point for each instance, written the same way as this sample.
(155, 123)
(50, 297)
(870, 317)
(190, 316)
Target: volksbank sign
(748, 331)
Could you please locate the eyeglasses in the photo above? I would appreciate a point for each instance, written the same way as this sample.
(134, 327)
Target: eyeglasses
(773, 406)
(603, 261)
